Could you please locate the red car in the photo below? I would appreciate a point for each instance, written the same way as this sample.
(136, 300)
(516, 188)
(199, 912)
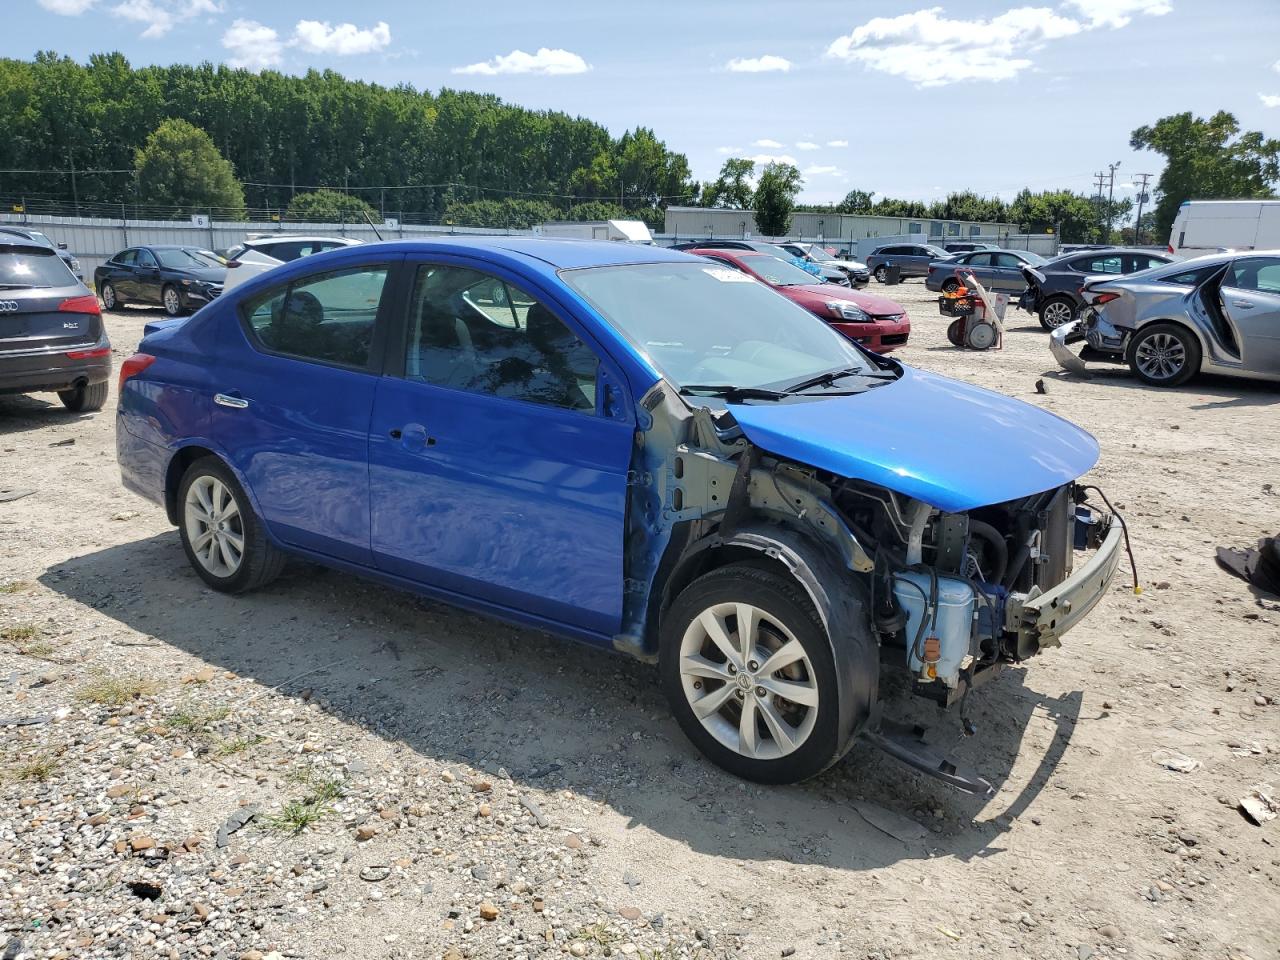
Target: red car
(878, 323)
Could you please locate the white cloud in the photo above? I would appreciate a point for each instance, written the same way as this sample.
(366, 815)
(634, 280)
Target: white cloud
(736, 151)
(765, 64)
(549, 62)
(932, 50)
(252, 45)
(1269, 100)
(837, 143)
(161, 16)
(807, 145)
(1276, 66)
(1118, 13)
(764, 159)
(820, 171)
(67, 8)
(346, 39)
(768, 144)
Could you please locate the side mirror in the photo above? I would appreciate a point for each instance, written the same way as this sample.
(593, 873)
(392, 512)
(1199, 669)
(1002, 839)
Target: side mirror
(62, 246)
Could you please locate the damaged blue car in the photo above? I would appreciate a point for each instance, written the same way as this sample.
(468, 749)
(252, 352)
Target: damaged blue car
(636, 448)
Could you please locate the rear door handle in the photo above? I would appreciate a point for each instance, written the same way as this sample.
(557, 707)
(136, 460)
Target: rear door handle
(226, 400)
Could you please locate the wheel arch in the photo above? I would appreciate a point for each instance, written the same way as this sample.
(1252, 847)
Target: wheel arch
(837, 596)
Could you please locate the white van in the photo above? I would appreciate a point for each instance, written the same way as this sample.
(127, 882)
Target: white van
(627, 231)
(1210, 226)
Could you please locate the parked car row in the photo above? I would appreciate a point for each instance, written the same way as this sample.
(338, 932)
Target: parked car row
(829, 274)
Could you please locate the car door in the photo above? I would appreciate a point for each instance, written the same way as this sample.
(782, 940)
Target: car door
(1251, 300)
(296, 375)
(980, 265)
(119, 273)
(1005, 275)
(146, 277)
(497, 457)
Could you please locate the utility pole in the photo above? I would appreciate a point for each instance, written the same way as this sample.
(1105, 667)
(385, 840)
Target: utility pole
(1111, 198)
(75, 194)
(1101, 178)
(1142, 198)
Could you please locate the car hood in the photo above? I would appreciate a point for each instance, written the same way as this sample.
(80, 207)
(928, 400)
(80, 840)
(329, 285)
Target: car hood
(870, 302)
(846, 264)
(954, 446)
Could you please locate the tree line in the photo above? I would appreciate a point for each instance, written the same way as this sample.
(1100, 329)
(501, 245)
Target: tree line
(458, 152)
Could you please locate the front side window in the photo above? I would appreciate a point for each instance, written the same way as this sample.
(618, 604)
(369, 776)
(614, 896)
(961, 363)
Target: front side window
(703, 323)
(473, 331)
(145, 259)
(329, 317)
(1110, 264)
(1257, 273)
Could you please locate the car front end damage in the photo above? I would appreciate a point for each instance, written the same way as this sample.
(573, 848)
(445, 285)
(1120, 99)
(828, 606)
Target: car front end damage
(946, 596)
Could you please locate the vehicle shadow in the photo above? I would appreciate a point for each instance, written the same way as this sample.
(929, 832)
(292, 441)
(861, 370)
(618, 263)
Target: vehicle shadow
(460, 688)
(22, 412)
(1232, 391)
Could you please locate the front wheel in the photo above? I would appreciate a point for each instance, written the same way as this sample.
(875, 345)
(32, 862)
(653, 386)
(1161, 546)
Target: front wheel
(223, 538)
(748, 669)
(1054, 313)
(1163, 355)
(882, 274)
(172, 301)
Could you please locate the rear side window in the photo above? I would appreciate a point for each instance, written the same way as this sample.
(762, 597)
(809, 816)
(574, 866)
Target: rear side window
(472, 331)
(1143, 262)
(328, 317)
(979, 260)
(25, 267)
(127, 258)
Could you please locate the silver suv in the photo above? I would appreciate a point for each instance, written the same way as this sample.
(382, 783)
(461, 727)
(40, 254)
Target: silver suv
(912, 259)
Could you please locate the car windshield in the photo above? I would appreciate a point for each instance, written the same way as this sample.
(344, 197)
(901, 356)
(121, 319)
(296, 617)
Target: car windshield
(23, 267)
(183, 260)
(706, 323)
(819, 254)
(779, 273)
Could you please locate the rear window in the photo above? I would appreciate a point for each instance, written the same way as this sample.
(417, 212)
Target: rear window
(24, 267)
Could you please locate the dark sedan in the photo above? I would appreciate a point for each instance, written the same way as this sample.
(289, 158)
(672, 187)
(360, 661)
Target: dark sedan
(51, 333)
(997, 270)
(1053, 288)
(180, 279)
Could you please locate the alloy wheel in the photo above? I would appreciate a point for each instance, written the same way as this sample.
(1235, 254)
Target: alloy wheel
(214, 525)
(1057, 313)
(109, 296)
(171, 302)
(748, 681)
(1160, 356)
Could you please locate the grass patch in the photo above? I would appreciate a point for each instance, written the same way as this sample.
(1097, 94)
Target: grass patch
(193, 720)
(41, 650)
(598, 934)
(14, 586)
(229, 748)
(297, 815)
(111, 691)
(19, 632)
(40, 768)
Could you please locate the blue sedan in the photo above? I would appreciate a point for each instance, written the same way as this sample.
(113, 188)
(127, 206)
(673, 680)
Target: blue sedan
(632, 447)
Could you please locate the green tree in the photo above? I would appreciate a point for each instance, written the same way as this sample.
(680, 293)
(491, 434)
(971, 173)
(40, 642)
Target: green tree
(180, 167)
(330, 206)
(855, 201)
(1207, 160)
(775, 198)
(731, 189)
(1075, 216)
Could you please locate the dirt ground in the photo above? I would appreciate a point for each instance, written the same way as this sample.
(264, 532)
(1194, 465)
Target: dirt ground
(424, 783)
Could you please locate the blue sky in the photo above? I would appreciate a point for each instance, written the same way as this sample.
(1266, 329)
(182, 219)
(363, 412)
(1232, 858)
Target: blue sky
(906, 99)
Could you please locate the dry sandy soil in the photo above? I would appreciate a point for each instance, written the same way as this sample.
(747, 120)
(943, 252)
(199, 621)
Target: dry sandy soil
(413, 771)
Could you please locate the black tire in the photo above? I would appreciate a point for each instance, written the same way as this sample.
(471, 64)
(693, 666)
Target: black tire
(1157, 337)
(1052, 314)
(950, 285)
(172, 305)
(881, 274)
(261, 560)
(953, 333)
(782, 600)
(86, 398)
(110, 301)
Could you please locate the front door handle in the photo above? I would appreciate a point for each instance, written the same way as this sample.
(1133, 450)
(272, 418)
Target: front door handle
(1242, 304)
(413, 436)
(228, 400)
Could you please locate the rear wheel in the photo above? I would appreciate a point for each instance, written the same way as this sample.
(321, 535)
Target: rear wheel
(222, 536)
(92, 396)
(1163, 355)
(1057, 311)
(109, 299)
(747, 667)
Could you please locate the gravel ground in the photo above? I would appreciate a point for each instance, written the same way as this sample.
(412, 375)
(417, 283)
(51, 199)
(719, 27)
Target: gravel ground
(409, 781)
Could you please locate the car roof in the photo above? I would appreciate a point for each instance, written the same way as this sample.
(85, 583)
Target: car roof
(563, 254)
(292, 237)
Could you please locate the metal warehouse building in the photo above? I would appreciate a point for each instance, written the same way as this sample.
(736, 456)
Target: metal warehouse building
(708, 222)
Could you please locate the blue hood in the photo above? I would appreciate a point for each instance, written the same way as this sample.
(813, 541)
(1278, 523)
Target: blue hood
(950, 444)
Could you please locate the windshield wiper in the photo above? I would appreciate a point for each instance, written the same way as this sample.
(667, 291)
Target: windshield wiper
(825, 379)
(729, 392)
(24, 286)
